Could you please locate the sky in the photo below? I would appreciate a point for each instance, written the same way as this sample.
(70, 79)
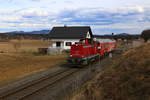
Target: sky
(104, 16)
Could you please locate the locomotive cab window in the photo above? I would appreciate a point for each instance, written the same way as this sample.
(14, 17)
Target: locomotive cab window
(89, 41)
(76, 42)
(82, 41)
(68, 43)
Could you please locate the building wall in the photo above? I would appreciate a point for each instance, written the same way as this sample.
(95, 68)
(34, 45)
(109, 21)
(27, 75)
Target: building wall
(63, 42)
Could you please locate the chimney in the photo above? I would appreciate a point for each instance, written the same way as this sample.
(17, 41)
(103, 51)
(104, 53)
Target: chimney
(65, 25)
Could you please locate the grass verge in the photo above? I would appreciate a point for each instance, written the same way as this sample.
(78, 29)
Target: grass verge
(127, 78)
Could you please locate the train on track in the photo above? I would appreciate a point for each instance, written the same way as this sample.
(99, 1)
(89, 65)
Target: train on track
(89, 50)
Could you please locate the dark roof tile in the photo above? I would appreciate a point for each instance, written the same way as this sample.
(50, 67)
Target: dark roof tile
(69, 32)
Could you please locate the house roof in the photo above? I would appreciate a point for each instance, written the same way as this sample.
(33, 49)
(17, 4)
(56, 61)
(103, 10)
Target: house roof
(70, 32)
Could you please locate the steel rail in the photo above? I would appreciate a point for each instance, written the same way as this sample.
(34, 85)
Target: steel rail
(48, 85)
(31, 84)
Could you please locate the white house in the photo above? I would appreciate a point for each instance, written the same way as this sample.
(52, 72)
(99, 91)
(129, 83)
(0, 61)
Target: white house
(63, 37)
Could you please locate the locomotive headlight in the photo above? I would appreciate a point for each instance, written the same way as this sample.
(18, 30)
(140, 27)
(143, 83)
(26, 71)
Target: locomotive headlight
(99, 47)
(70, 55)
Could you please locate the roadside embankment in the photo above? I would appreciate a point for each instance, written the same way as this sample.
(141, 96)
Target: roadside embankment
(127, 78)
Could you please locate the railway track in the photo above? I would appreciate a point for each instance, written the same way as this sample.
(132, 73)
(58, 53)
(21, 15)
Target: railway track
(26, 90)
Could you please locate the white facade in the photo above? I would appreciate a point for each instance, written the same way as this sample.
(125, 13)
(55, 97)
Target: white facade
(64, 43)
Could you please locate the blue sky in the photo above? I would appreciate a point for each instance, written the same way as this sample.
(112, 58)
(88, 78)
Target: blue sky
(104, 16)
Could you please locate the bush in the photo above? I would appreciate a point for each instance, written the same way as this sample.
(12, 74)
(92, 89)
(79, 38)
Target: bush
(145, 35)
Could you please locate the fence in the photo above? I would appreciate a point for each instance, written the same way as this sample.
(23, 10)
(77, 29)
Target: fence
(54, 50)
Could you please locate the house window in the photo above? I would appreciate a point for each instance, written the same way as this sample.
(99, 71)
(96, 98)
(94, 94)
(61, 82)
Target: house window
(68, 43)
(76, 42)
(58, 44)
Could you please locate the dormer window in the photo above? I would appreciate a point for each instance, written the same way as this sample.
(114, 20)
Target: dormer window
(88, 35)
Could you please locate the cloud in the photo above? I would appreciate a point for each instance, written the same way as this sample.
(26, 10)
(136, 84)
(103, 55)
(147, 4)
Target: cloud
(36, 0)
(69, 1)
(13, 19)
(7, 0)
(32, 12)
(123, 18)
(97, 16)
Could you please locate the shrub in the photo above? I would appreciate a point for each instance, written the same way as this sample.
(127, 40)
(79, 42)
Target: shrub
(145, 35)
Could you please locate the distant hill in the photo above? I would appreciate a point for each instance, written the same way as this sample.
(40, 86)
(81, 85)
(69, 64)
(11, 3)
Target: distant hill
(124, 34)
(32, 32)
(119, 36)
(42, 34)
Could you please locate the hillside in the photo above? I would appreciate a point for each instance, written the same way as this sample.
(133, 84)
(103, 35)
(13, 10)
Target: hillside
(119, 36)
(32, 32)
(42, 34)
(126, 79)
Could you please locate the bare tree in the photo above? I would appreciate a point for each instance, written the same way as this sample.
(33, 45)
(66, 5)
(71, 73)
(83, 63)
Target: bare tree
(17, 45)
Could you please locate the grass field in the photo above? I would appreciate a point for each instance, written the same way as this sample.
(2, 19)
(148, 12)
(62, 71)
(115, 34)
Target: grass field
(21, 62)
(23, 45)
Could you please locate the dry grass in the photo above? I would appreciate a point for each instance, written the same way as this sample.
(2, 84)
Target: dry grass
(127, 79)
(17, 65)
(14, 64)
(23, 45)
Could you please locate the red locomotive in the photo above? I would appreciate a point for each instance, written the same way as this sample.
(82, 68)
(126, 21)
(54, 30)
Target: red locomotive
(88, 50)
